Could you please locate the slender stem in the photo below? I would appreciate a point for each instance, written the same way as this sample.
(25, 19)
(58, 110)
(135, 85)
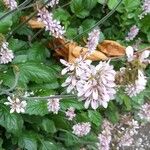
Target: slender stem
(16, 9)
(50, 97)
(101, 21)
(13, 86)
(24, 22)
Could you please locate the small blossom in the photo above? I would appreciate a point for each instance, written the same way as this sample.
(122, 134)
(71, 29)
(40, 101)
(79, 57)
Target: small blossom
(93, 40)
(134, 30)
(52, 3)
(144, 112)
(129, 52)
(51, 25)
(11, 4)
(98, 88)
(74, 70)
(6, 55)
(81, 129)
(70, 113)
(16, 105)
(105, 136)
(145, 8)
(53, 105)
(137, 87)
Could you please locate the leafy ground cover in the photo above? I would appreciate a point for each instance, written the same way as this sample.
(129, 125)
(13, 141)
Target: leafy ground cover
(74, 74)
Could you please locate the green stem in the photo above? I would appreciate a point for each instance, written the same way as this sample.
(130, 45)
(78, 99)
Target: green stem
(51, 97)
(101, 21)
(20, 7)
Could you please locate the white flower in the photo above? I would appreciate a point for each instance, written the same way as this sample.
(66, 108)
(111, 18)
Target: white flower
(142, 57)
(52, 3)
(93, 40)
(16, 105)
(53, 105)
(137, 87)
(97, 88)
(51, 25)
(6, 55)
(129, 52)
(70, 113)
(144, 112)
(134, 30)
(11, 4)
(81, 129)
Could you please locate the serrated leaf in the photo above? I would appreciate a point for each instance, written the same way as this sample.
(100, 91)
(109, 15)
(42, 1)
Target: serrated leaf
(95, 117)
(37, 52)
(48, 126)
(47, 145)
(28, 141)
(36, 107)
(13, 123)
(5, 23)
(66, 103)
(36, 72)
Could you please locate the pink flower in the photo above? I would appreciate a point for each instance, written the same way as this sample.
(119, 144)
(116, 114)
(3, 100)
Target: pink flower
(52, 3)
(81, 129)
(16, 105)
(97, 87)
(105, 136)
(53, 105)
(134, 30)
(137, 87)
(6, 55)
(93, 40)
(144, 112)
(51, 25)
(11, 4)
(70, 113)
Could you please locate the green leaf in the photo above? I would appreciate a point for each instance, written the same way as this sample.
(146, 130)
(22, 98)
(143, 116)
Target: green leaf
(36, 107)
(61, 14)
(5, 23)
(82, 8)
(36, 72)
(37, 52)
(112, 113)
(66, 103)
(95, 117)
(47, 145)
(48, 126)
(28, 140)
(13, 123)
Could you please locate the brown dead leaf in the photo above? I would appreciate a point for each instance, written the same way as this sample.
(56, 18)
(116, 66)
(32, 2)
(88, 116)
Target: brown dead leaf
(33, 23)
(96, 55)
(111, 48)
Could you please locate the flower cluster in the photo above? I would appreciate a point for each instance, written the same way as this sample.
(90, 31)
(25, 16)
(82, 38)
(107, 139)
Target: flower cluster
(145, 8)
(144, 112)
(70, 113)
(11, 4)
(53, 105)
(134, 88)
(6, 55)
(52, 3)
(105, 136)
(51, 25)
(81, 129)
(94, 84)
(134, 30)
(16, 104)
(126, 131)
(93, 40)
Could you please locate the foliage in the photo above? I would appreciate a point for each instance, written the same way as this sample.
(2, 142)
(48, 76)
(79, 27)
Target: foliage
(40, 72)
